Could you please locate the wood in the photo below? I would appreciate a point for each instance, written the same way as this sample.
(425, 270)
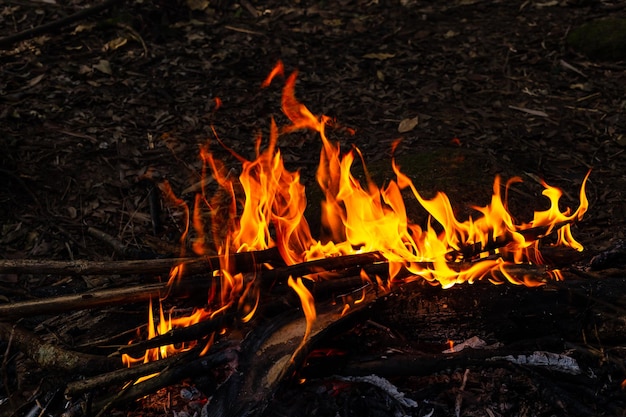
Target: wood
(119, 376)
(241, 262)
(98, 299)
(52, 357)
(194, 332)
(170, 375)
(272, 353)
(343, 267)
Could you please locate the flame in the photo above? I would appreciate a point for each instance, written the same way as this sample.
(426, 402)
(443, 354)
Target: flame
(308, 306)
(263, 207)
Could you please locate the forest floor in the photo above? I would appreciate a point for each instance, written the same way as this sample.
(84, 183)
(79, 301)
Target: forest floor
(492, 88)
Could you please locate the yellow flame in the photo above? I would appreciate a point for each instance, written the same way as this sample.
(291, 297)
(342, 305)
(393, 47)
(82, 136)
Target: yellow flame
(264, 207)
(308, 306)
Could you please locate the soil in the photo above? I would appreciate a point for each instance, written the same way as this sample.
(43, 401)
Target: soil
(91, 111)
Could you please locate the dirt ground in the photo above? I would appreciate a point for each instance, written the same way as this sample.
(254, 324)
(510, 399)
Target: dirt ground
(87, 110)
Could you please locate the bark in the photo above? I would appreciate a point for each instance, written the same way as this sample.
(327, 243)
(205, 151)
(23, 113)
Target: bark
(52, 357)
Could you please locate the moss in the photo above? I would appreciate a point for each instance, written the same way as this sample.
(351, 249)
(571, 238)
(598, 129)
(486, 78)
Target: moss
(602, 39)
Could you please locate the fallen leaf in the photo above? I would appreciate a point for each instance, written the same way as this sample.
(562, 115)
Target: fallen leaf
(84, 69)
(85, 27)
(114, 44)
(408, 124)
(197, 4)
(333, 22)
(381, 56)
(104, 66)
(72, 212)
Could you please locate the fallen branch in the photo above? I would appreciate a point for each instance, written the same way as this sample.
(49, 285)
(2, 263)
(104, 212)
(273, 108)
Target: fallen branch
(52, 357)
(171, 375)
(75, 388)
(241, 262)
(182, 334)
(102, 298)
(244, 261)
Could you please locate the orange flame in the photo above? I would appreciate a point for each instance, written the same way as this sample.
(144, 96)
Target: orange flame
(308, 306)
(266, 205)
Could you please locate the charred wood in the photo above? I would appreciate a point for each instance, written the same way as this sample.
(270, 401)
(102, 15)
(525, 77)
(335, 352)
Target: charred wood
(268, 360)
(184, 359)
(168, 376)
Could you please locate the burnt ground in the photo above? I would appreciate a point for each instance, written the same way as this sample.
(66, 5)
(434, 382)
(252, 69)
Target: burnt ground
(87, 110)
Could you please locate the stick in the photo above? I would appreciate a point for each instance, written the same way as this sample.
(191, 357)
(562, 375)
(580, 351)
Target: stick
(76, 388)
(344, 267)
(56, 25)
(183, 334)
(169, 376)
(241, 262)
(52, 357)
(103, 298)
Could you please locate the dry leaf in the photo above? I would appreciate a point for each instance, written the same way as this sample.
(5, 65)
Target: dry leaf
(85, 27)
(84, 69)
(104, 66)
(114, 44)
(197, 4)
(380, 56)
(408, 124)
(333, 22)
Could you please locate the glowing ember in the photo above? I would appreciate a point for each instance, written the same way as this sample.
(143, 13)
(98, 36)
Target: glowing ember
(266, 205)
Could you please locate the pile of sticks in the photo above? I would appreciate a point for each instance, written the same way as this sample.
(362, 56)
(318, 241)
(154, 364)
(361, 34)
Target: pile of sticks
(269, 354)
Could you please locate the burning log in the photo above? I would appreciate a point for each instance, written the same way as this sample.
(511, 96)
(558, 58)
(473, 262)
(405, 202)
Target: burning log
(268, 360)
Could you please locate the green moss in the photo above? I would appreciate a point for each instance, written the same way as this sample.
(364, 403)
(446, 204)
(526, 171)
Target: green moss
(602, 39)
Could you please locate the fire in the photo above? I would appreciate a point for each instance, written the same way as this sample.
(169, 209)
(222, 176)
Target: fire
(266, 205)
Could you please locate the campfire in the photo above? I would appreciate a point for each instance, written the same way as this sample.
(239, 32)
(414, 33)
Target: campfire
(266, 290)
